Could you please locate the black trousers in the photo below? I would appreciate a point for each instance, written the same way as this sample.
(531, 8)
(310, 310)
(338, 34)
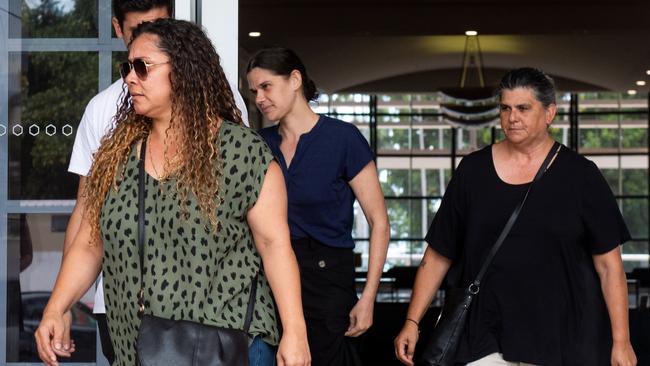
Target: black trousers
(328, 295)
(105, 338)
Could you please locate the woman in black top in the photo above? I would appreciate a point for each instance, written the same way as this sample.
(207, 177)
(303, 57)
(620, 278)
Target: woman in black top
(556, 292)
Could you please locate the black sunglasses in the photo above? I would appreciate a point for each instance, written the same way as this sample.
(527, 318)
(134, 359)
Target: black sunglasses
(140, 66)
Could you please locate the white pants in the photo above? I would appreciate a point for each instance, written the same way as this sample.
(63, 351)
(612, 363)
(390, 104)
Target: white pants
(496, 359)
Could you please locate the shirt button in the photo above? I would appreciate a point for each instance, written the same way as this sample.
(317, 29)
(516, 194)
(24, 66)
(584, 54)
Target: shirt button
(321, 264)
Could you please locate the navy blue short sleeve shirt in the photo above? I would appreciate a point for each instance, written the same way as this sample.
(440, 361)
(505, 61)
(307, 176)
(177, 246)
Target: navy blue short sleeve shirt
(327, 158)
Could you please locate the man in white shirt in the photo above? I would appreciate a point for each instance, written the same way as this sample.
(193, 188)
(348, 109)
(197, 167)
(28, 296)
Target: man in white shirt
(97, 121)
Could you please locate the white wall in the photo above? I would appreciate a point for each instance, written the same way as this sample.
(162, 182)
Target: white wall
(183, 10)
(220, 19)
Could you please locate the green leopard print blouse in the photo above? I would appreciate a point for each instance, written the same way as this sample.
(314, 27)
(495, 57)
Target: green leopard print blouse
(191, 272)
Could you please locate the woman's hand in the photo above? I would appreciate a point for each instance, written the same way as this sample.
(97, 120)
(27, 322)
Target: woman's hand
(53, 337)
(360, 317)
(405, 343)
(623, 354)
(293, 350)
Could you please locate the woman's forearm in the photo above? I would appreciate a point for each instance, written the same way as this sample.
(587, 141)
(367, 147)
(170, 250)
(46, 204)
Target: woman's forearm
(79, 270)
(281, 269)
(378, 248)
(614, 287)
(430, 274)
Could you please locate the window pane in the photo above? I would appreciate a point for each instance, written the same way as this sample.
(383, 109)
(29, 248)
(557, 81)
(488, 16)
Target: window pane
(349, 103)
(394, 134)
(53, 19)
(600, 138)
(430, 135)
(33, 261)
(626, 174)
(635, 214)
(473, 139)
(635, 254)
(410, 218)
(613, 132)
(414, 176)
(393, 103)
(627, 181)
(48, 93)
(425, 103)
(405, 253)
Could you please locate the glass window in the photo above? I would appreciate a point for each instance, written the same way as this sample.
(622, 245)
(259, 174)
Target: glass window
(635, 214)
(415, 182)
(48, 95)
(429, 135)
(349, 104)
(635, 254)
(53, 19)
(472, 139)
(627, 181)
(414, 158)
(405, 253)
(33, 259)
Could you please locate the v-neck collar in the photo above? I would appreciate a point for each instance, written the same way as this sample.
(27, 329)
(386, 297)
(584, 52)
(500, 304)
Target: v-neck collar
(303, 142)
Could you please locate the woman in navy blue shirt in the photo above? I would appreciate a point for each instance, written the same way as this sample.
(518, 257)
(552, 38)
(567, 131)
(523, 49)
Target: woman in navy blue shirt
(327, 163)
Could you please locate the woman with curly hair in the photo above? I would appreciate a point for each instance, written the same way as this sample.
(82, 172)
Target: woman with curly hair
(215, 210)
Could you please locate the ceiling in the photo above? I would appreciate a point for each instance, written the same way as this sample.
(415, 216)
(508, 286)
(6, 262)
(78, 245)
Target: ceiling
(417, 45)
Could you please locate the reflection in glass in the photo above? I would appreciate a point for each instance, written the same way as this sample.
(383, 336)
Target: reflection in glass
(53, 19)
(33, 261)
(48, 93)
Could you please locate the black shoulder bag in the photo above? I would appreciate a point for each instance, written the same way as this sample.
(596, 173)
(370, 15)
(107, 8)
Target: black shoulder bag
(441, 349)
(182, 342)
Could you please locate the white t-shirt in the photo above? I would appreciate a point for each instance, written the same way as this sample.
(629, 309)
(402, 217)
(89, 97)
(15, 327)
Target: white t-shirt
(96, 122)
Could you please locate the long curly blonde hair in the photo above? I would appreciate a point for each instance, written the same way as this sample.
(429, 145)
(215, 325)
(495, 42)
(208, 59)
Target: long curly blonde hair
(201, 100)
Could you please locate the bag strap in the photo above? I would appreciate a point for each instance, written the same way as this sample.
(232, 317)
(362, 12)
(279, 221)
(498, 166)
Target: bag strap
(475, 286)
(141, 234)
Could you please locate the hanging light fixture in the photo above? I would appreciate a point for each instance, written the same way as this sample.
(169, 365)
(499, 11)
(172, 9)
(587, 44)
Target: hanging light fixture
(465, 106)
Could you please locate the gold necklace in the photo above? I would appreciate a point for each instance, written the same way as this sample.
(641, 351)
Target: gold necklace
(158, 176)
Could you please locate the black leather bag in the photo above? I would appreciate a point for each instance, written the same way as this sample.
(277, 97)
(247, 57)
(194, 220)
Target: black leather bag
(441, 349)
(181, 342)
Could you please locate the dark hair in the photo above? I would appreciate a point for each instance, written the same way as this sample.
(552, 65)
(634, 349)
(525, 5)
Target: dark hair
(282, 61)
(122, 7)
(532, 78)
